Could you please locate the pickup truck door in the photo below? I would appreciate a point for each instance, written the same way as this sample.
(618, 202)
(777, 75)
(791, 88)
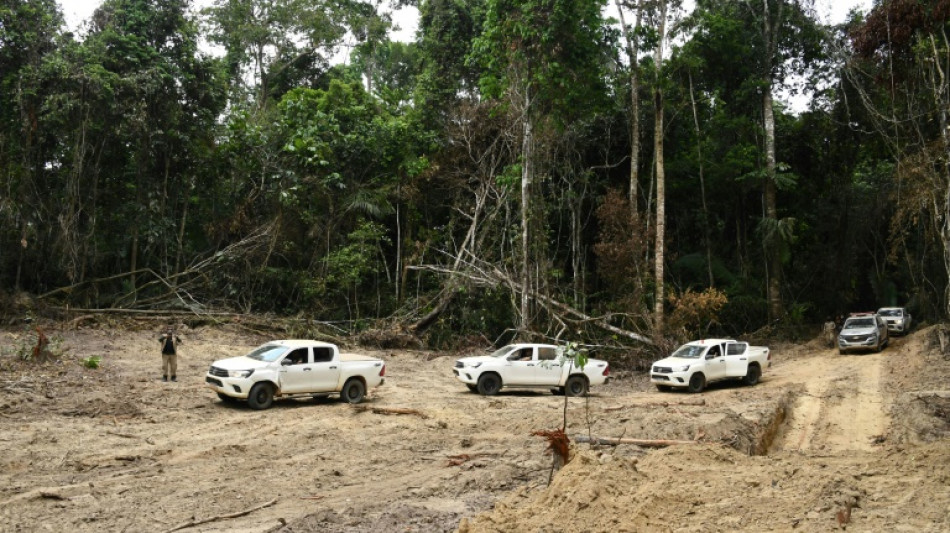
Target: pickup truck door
(519, 367)
(548, 370)
(737, 359)
(715, 363)
(295, 371)
(326, 371)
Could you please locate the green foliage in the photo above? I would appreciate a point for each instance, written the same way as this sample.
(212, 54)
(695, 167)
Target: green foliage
(319, 188)
(550, 51)
(348, 265)
(573, 354)
(92, 361)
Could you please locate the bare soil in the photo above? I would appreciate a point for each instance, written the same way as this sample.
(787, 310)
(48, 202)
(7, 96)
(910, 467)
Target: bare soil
(825, 441)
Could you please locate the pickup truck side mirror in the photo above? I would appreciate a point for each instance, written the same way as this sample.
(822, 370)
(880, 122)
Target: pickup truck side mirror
(286, 362)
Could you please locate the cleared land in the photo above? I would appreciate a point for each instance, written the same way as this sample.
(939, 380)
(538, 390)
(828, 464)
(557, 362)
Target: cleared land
(825, 441)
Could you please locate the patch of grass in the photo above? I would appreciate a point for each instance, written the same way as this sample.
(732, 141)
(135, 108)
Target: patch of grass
(92, 361)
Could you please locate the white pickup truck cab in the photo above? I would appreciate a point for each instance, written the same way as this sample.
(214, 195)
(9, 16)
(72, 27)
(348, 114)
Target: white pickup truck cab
(697, 363)
(529, 365)
(285, 368)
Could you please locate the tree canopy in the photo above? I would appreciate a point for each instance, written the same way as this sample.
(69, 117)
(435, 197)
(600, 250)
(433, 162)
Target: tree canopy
(486, 179)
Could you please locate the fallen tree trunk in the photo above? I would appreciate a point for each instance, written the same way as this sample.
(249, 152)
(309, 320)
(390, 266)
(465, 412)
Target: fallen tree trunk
(647, 443)
(488, 275)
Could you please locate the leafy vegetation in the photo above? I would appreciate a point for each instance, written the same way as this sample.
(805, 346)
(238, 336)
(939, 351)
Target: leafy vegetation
(476, 184)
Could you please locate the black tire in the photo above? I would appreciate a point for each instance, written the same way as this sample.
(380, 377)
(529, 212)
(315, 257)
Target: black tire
(662, 388)
(752, 375)
(261, 396)
(697, 382)
(472, 388)
(489, 384)
(576, 386)
(353, 391)
(227, 399)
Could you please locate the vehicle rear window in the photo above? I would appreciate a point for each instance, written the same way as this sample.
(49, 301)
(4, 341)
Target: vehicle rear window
(322, 355)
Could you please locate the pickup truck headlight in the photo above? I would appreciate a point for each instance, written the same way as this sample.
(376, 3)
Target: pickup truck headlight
(239, 373)
(681, 368)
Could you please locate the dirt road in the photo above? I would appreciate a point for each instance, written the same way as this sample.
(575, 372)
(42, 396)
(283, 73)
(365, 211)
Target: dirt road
(115, 449)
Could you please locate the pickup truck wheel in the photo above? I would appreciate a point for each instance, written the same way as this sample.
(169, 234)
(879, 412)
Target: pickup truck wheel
(353, 391)
(227, 399)
(261, 396)
(697, 382)
(752, 375)
(489, 384)
(575, 386)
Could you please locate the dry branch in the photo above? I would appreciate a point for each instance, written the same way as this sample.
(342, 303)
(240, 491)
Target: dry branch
(694, 403)
(484, 274)
(391, 410)
(194, 523)
(647, 443)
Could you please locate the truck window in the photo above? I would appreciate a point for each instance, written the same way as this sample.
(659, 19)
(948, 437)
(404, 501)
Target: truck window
(523, 354)
(714, 352)
(298, 356)
(322, 355)
(736, 348)
(547, 354)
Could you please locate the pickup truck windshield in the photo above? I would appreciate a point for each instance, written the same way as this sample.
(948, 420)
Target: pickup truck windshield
(268, 353)
(889, 312)
(859, 323)
(689, 351)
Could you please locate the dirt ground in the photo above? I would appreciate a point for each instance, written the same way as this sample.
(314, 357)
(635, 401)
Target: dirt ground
(825, 441)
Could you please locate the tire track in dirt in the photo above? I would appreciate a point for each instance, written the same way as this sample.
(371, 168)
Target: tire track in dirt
(841, 405)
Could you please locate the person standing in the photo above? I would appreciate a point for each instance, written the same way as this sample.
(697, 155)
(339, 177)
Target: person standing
(170, 341)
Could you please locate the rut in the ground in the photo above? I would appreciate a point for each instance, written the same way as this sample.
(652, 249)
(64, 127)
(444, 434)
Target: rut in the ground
(841, 408)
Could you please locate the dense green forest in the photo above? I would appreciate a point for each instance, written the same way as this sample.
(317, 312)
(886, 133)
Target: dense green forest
(523, 167)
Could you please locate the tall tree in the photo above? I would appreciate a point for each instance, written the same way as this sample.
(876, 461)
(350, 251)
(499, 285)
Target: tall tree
(902, 70)
(29, 30)
(658, 138)
(544, 56)
(773, 41)
(267, 41)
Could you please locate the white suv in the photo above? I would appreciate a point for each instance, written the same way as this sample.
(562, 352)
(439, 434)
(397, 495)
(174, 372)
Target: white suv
(863, 331)
(897, 319)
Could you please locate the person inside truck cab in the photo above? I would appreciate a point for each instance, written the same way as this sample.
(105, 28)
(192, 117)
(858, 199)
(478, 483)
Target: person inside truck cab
(714, 352)
(297, 357)
(523, 354)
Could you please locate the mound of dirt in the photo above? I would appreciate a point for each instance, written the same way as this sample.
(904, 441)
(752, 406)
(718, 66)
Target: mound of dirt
(810, 479)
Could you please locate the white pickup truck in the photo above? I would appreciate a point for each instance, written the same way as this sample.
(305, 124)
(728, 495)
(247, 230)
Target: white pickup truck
(529, 365)
(286, 368)
(697, 363)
